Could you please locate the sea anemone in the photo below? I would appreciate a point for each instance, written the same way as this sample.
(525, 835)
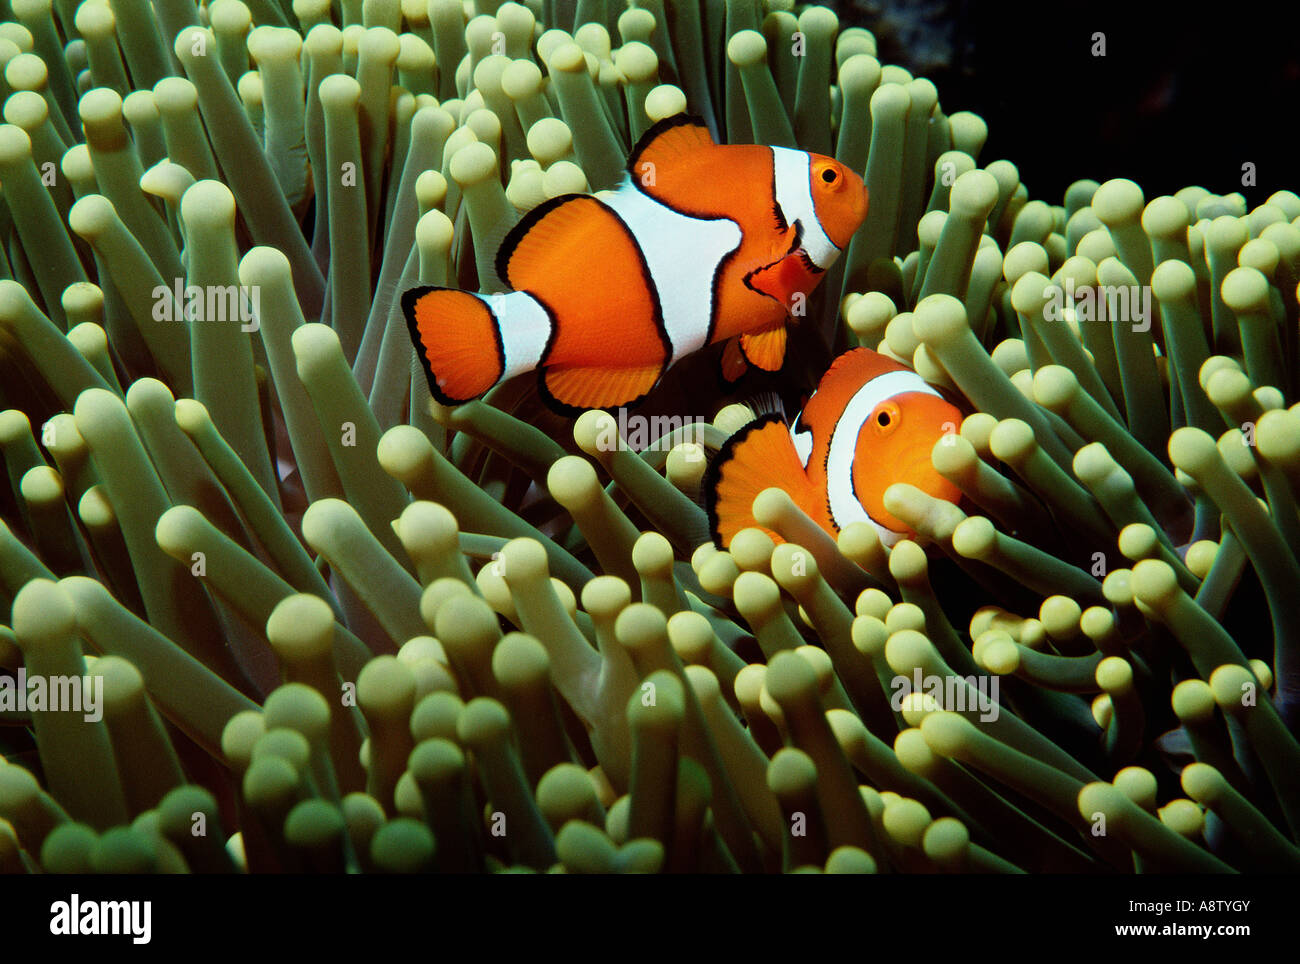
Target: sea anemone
(334, 626)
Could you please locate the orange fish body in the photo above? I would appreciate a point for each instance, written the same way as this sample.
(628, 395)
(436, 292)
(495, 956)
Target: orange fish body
(870, 423)
(702, 243)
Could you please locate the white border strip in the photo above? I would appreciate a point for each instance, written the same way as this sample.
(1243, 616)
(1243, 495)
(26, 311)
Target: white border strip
(525, 329)
(845, 508)
(682, 253)
(794, 196)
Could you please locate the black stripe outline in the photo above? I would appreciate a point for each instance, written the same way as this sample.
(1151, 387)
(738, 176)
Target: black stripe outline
(782, 225)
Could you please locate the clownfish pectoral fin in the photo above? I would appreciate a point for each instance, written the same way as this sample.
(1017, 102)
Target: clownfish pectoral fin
(468, 342)
(760, 456)
(787, 280)
(770, 280)
(765, 349)
(669, 139)
(734, 365)
(577, 387)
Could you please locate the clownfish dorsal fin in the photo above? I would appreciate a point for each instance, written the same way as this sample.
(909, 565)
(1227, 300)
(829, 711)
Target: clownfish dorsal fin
(860, 364)
(581, 387)
(670, 138)
(849, 372)
(765, 349)
(760, 456)
(531, 247)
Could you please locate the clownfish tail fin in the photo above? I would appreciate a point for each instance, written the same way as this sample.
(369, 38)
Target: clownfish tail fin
(759, 456)
(467, 342)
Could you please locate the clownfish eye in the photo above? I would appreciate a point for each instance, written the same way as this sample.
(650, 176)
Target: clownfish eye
(829, 175)
(886, 418)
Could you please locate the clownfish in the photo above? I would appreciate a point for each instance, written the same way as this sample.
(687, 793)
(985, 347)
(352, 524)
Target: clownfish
(870, 423)
(700, 243)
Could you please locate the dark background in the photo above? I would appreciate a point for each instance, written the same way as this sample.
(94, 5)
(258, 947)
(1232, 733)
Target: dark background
(1185, 95)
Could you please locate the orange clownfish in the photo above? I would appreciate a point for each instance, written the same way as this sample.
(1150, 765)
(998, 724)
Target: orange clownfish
(870, 423)
(701, 243)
